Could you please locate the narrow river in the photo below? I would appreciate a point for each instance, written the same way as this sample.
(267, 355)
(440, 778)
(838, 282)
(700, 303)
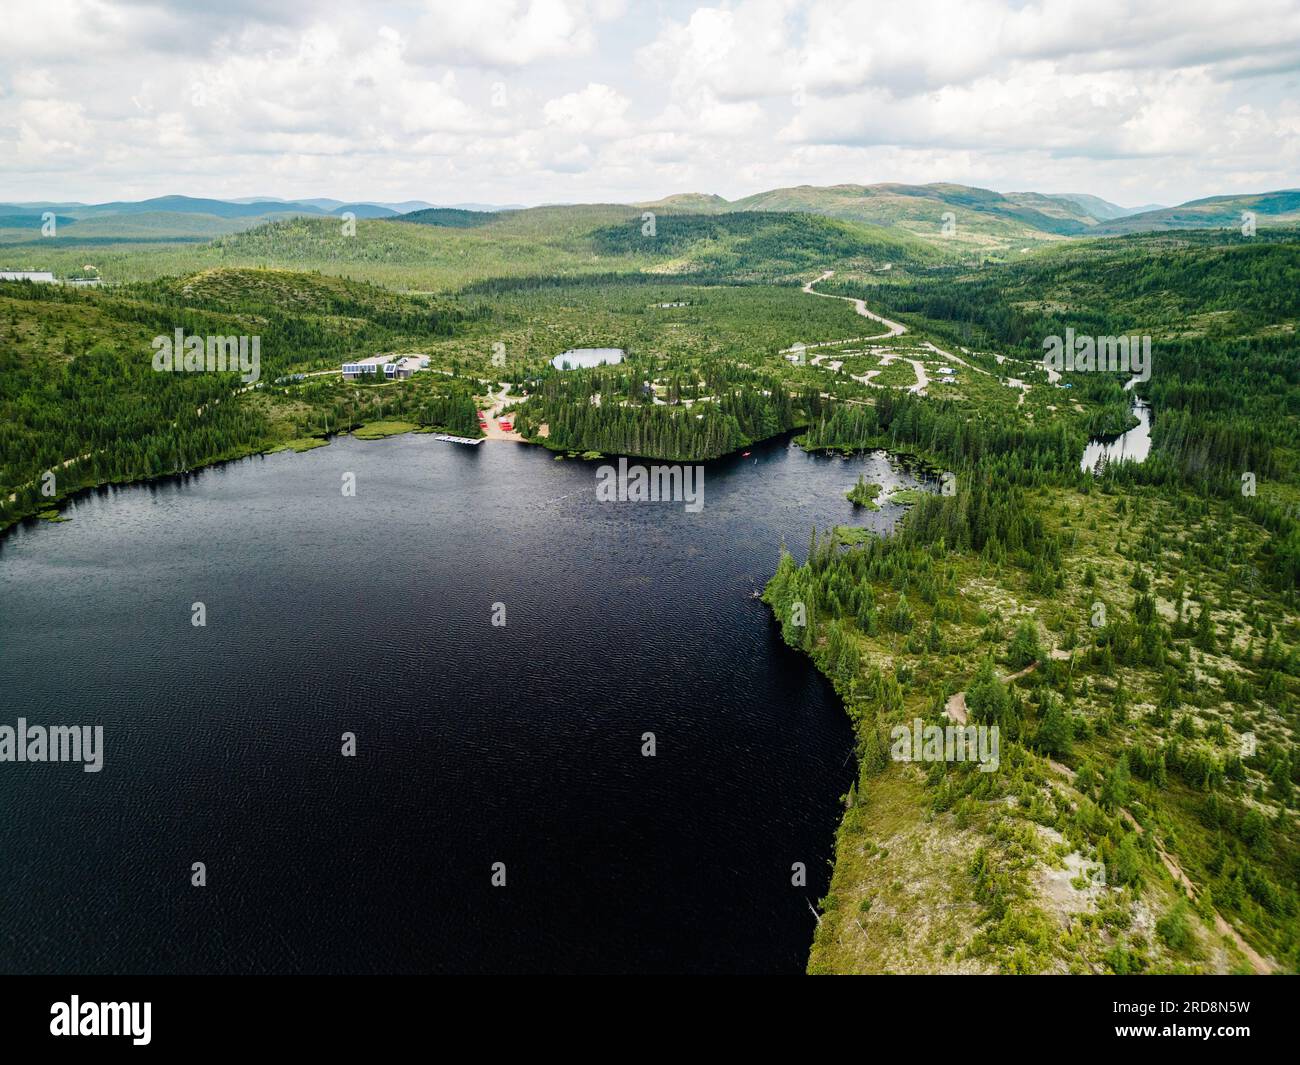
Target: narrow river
(1131, 446)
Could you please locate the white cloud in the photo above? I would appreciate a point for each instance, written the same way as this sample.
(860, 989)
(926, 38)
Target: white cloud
(507, 33)
(739, 53)
(597, 110)
(543, 100)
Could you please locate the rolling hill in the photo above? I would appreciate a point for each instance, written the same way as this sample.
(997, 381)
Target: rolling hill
(448, 216)
(980, 216)
(942, 213)
(442, 247)
(689, 201)
(1213, 212)
(984, 217)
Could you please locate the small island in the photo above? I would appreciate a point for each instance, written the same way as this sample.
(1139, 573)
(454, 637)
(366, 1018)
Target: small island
(863, 494)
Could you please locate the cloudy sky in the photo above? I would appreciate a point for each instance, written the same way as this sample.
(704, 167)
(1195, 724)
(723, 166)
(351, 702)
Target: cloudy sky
(532, 101)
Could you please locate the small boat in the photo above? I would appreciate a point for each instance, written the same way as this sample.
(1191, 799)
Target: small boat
(744, 454)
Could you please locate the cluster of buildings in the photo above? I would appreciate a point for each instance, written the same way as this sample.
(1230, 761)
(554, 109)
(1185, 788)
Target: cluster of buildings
(393, 367)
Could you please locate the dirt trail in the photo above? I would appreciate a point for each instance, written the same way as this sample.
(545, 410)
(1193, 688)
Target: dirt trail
(895, 329)
(922, 378)
(494, 430)
(13, 498)
(956, 358)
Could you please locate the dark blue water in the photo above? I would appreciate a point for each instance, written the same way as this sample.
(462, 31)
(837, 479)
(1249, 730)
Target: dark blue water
(476, 744)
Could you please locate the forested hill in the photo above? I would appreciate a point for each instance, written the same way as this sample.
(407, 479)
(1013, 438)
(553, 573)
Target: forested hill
(756, 244)
(1222, 314)
(1228, 212)
(79, 394)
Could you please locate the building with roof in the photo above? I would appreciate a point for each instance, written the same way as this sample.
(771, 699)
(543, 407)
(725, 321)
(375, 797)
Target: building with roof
(370, 364)
(395, 367)
(406, 366)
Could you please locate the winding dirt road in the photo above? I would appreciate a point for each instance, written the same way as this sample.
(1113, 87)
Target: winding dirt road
(895, 329)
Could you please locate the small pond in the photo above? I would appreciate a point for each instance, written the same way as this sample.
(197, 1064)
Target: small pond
(585, 358)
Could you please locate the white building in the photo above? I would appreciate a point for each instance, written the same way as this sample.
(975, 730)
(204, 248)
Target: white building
(395, 367)
(42, 276)
(370, 364)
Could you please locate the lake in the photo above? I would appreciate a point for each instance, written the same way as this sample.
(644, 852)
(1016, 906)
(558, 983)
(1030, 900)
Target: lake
(585, 358)
(475, 744)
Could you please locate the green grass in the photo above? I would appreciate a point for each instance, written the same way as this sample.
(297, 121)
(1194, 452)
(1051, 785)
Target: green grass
(301, 444)
(852, 534)
(377, 430)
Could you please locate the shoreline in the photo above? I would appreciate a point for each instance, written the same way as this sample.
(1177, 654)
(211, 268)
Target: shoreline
(911, 460)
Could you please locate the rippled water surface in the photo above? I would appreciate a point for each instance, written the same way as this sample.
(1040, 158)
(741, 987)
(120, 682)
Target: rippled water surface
(476, 744)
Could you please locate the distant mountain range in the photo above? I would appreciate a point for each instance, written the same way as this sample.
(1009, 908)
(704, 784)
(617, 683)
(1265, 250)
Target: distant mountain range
(189, 217)
(935, 212)
(983, 217)
(1103, 210)
(404, 207)
(1212, 213)
(922, 208)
